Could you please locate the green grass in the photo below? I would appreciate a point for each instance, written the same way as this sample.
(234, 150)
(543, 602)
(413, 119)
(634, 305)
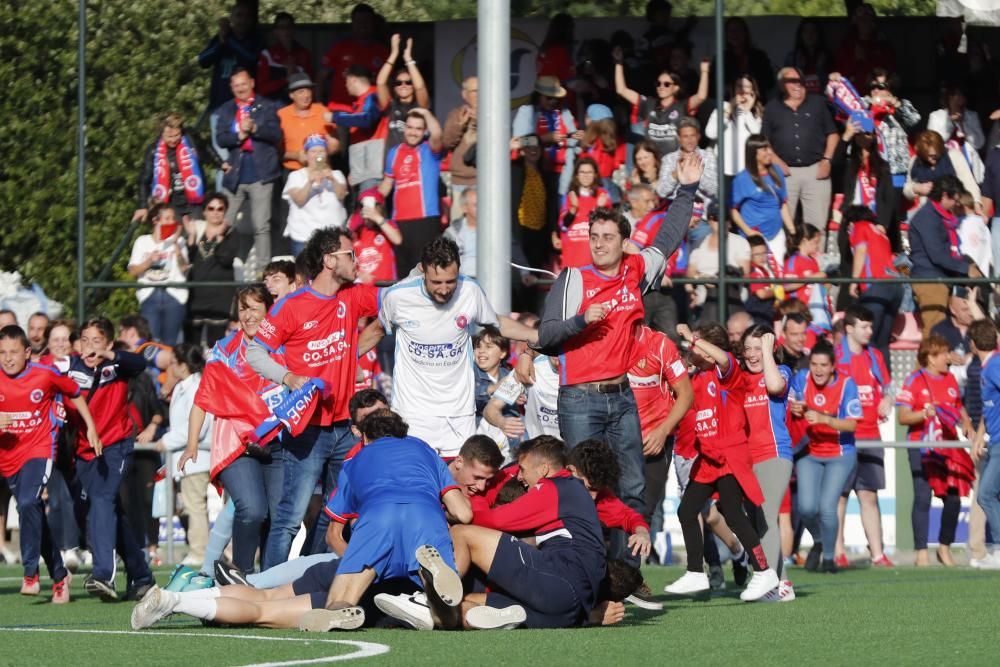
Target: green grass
(859, 617)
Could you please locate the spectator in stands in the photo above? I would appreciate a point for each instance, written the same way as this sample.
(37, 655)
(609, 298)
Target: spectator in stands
(283, 58)
(704, 264)
(646, 216)
(366, 151)
(301, 119)
(212, 247)
(374, 238)
(973, 235)
(932, 161)
(315, 195)
(161, 257)
(762, 295)
(37, 324)
(585, 195)
(984, 344)
(792, 350)
(688, 137)
(647, 164)
(744, 113)
(407, 92)
(894, 118)
(802, 262)
(760, 200)
(412, 173)
(960, 128)
(602, 142)
(743, 57)
(171, 171)
(864, 48)
(547, 117)
(362, 48)
(235, 46)
(962, 312)
(929, 405)
(555, 55)
(934, 251)
(662, 114)
(249, 127)
(463, 231)
(660, 35)
(804, 137)
(459, 136)
(810, 56)
(862, 176)
(530, 202)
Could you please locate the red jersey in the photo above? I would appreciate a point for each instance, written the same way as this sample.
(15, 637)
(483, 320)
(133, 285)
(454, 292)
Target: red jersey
(800, 266)
(613, 513)
(684, 435)
(272, 72)
(29, 400)
(607, 162)
(838, 398)
(415, 171)
(368, 370)
(870, 374)
(347, 52)
(659, 361)
(108, 403)
(606, 349)
(922, 387)
(482, 502)
(575, 238)
(320, 338)
(767, 432)
(376, 256)
(878, 250)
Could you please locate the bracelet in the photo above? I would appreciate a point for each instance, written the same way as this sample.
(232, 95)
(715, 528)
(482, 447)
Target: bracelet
(410, 62)
(826, 158)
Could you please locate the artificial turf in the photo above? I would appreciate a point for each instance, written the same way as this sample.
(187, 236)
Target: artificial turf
(858, 617)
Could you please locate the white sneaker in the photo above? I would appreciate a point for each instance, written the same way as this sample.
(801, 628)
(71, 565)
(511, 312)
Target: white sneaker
(690, 583)
(9, 556)
(761, 583)
(785, 591)
(71, 560)
(86, 558)
(491, 618)
(154, 606)
(991, 562)
(325, 620)
(410, 609)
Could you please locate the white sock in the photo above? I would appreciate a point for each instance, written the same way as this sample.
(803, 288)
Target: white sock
(203, 593)
(197, 607)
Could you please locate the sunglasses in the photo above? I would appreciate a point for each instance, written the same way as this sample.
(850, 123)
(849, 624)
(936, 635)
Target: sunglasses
(343, 252)
(792, 82)
(880, 85)
(665, 84)
(403, 82)
(215, 208)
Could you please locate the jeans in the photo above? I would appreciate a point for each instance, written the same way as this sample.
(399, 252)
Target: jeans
(989, 490)
(305, 458)
(27, 485)
(62, 515)
(107, 525)
(255, 491)
(820, 482)
(165, 315)
(296, 246)
(883, 301)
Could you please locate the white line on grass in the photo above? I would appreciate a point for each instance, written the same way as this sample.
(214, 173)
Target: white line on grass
(363, 649)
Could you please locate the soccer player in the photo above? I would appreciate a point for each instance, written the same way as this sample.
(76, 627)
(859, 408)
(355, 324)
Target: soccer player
(28, 428)
(431, 314)
(318, 327)
(863, 362)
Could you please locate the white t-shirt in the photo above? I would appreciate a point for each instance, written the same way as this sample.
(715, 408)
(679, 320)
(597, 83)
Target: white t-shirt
(975, 241)
(705, 260)
(433, 374)
(322, 209)
(166, 271)
(541, 414)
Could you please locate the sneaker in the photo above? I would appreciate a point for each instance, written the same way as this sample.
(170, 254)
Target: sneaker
(443, 587)
(101, 589)
(689, 584)
(156, 605)
(881, 561)
(180, 578)
(761, 583)
(716, 578)
(86, 559)
(325, 620)
(812, 560)
(9, 556)
(30, 585)
(741, 569)
(829, 566)
(990, 562)
(491, 618)
(71, 559)
(199, 582)
(410, 609)
(60, 591)
(842, 562)
(189, 561)
(138, 589)
(641, 597)
(785, 591)
(228, 574)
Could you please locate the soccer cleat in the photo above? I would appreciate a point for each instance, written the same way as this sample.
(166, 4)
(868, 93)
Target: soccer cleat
(716, 578)
(491, 618)
(156, 605)
(60, 591)
(785, 591)
(761, 583)
(412, 610)
(180, 578)
(641, 597)
(325, 620)
(689, 584)
(881, 561)
(815, 554)
(199, 582)
(101, 589)
(829, 566)
(443, 587)
(741, 568)
(228, 574)
(30, 585)
(842, 562)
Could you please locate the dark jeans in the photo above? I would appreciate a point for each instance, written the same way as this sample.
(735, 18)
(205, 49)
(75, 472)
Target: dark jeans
(883, 301)
(62, 512)
(137, 498)
(255, 487)
(27, 485)
(657, 471)
(165, 315)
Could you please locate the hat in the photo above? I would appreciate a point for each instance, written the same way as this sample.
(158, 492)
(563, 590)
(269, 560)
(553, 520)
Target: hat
(299, 80)
(596, 112)
(315, 141)
(549, 86)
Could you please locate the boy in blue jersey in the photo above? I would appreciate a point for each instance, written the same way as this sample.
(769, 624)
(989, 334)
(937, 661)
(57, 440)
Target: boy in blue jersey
(986, 445)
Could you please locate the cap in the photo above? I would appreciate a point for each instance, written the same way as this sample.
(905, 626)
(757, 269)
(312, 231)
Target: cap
(549, 86)
(299, 80)
(596, 112)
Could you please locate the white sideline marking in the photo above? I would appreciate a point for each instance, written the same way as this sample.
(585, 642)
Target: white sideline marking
(363, 649)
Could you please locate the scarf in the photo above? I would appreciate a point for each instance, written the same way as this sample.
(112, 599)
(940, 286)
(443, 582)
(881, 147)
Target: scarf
(951, 226)
(243, 111)
(187, 162)
(847, 100)
(866, 186)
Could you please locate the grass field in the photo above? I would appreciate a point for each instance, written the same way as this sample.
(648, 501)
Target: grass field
(859, 617)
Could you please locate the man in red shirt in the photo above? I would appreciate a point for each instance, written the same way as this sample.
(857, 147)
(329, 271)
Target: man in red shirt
(361, 48)
(318, 327)
(864, 364)
(28, 428)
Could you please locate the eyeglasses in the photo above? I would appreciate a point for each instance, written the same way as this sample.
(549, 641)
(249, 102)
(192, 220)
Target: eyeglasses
(792, 82)
(403, 82)
(880, 85)
(343, 252)
(215, 208)
(665, 84)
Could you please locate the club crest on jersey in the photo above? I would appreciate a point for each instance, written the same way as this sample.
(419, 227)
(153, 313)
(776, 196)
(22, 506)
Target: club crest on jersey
(2, 398)
(762, 383)
(341, 309)
(820, 400)
(711, 389)
(461, 321)
(952, 392)
(36, 395)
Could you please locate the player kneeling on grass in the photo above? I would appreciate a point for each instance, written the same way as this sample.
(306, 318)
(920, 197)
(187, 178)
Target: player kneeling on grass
(28, 428)
(395, 486)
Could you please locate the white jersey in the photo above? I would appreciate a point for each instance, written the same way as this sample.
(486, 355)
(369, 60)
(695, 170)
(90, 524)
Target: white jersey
(541, 414)
(433, 372)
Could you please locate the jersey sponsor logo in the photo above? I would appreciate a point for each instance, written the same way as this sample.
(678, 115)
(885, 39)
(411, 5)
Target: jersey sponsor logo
(461, 321)
(678, 367)
(592, 292)
(437, 354)
(266, 328)
(325, 342)
(819, 400)
(309, 325)
(408, 324)
(704, 414)
(866, 393)
(36, 395)
(329, 349)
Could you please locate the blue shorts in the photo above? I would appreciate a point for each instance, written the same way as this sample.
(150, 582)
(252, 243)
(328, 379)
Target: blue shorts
(315, 582)
(537, 581)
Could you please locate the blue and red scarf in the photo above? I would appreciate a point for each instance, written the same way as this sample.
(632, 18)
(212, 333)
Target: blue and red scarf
(187, 162)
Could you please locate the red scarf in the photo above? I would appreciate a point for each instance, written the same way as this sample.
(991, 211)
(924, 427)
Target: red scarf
(950, 226)
(187, 162)
(243, 111)
(866, 186)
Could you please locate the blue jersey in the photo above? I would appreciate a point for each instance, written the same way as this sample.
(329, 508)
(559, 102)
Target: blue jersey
(989, 381)
(767, 434)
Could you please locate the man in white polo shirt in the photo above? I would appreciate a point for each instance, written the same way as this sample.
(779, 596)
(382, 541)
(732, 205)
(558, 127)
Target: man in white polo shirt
(432, 314)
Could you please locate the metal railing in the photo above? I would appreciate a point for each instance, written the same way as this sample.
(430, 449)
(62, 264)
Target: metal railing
(913, 444)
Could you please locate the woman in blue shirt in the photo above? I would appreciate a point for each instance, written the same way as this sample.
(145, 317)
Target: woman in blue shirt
(760, 199)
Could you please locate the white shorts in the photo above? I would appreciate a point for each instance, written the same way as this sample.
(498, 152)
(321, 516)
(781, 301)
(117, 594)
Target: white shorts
(445, 434)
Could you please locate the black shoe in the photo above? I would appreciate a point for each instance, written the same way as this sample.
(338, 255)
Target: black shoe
(741, 569)
(138, 589)
(829, 566)
(643, 598)
(815, 554)
(101, 589)
(227, 574)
